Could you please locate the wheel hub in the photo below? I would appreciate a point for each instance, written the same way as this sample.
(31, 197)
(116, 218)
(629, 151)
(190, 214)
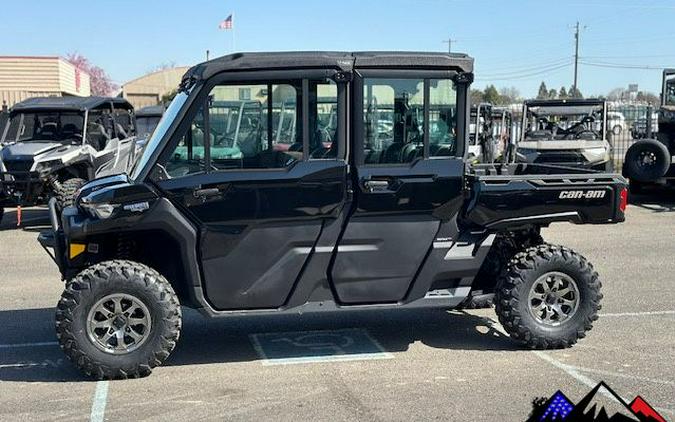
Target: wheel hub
(118, 323)
(553, 298)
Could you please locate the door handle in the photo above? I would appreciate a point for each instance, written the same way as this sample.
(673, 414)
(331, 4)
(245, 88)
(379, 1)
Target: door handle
(374, 185)
(205, 193)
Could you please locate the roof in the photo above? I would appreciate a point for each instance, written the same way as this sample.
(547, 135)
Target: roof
(150, 111)
(68, 103)
(570, 102)
(330, 60)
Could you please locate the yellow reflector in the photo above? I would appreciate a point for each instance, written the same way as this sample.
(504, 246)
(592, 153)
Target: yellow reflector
(76, 249)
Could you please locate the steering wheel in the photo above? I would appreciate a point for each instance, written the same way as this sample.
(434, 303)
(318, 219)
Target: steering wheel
(579, 134)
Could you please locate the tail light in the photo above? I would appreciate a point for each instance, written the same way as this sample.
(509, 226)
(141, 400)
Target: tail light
(623, 199)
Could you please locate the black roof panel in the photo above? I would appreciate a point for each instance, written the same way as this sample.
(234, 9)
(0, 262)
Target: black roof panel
(68, 103)
(330, 60)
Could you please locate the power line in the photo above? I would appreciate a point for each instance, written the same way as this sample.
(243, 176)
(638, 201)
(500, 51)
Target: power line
(527, 75)
(621, 65)
(530, 68)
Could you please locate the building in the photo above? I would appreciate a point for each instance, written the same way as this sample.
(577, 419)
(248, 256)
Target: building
(24, 77)
(149, 89)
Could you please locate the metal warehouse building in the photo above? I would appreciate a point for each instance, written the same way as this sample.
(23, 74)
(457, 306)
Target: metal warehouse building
(26, 77)
(149, 89)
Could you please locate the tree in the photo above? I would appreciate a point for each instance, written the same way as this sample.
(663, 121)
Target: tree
(491, 95)
(543, 91)
(575, 93)
(563, 93)
(510, 95)
(647, 97)
(552, 94)
(616, 94)
(100, 82)
(476, 96)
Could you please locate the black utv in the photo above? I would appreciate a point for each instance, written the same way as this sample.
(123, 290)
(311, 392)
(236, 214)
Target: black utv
(649, 161)
(51, 146)
(234, 225)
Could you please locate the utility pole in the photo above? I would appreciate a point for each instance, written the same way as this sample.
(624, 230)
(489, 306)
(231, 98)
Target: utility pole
(207, 55)
(576, 57)
(449, 42)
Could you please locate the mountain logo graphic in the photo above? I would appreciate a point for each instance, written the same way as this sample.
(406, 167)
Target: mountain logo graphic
(601, 404)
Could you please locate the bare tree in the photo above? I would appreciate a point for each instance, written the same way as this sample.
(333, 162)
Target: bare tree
(100, 82)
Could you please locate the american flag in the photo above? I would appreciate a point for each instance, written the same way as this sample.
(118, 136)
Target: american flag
(226, 24)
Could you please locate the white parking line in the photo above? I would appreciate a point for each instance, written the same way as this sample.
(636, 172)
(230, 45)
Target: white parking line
(623, 314)
(38, 344)
(100, 400)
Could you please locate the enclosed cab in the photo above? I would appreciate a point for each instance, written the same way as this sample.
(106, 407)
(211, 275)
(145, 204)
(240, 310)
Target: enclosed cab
(147, 119)
(569, 133)
(373, 205)
(52, 145)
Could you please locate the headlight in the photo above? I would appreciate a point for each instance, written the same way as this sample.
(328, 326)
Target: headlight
(46, 167)
(596, 154)
(100, 211)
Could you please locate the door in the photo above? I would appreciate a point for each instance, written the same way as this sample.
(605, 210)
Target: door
(253, 188)
(408, 166)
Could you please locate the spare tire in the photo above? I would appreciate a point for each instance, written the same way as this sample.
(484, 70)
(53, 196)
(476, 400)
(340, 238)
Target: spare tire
(647, 160)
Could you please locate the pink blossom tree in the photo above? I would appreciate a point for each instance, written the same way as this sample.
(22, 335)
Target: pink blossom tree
(100, 82)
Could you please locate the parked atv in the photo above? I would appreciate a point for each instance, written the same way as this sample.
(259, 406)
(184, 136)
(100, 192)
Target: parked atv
(389, 219)
(52, 146)
(570, 133)
(649, 161)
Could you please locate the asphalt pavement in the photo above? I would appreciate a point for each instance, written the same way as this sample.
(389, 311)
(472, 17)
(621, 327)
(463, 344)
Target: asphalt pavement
(405, 365)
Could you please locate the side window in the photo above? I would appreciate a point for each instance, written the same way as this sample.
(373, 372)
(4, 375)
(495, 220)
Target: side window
(123, 123)
(240, 134)
(394, 119)
(393, 113)
(323, 119)
(99, 128)
(442, 118)
(188, 156)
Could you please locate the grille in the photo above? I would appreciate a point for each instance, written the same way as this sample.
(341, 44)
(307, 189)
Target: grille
(560, 157)
(19, 168)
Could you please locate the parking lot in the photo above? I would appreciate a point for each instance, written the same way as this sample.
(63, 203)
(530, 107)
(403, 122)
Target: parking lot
(406, 365)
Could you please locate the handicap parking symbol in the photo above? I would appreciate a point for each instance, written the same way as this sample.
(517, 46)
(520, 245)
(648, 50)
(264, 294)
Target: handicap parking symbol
(317, 346)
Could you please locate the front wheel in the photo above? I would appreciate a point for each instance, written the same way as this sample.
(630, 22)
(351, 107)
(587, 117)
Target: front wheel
(66, 191)
(548, 297)
(118, 319)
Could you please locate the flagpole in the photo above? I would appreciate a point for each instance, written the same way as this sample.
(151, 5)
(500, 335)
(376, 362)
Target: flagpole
(234, 36)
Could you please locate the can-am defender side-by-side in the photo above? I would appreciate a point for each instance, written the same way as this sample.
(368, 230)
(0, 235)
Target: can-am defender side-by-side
(382, 220)
(569, 133)
(51, 146)
(650, 161)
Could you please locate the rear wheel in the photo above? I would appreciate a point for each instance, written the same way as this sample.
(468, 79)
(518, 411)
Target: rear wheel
(647, 160)
(65, 192)
(118, 319)
(548, 297)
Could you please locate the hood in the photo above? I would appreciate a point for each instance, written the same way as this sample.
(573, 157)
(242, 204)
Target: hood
(27, 150)
(548, 145)
(104, 182)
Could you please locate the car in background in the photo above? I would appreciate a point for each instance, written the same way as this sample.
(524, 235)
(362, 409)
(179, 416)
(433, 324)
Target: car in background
(568, 133)
(616, 122)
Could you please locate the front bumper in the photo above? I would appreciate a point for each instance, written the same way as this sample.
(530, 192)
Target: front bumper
(53, 238)
(21, 188)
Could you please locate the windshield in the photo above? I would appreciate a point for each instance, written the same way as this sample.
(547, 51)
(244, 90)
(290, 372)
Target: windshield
(159, 132)
(563, 122)
(46, 126)
(669, 90)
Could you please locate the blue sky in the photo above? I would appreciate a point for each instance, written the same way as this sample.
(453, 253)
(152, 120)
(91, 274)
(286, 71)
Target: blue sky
(515, 43)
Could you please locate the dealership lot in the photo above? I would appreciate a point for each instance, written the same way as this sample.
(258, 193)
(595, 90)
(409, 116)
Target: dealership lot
(366, 365)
